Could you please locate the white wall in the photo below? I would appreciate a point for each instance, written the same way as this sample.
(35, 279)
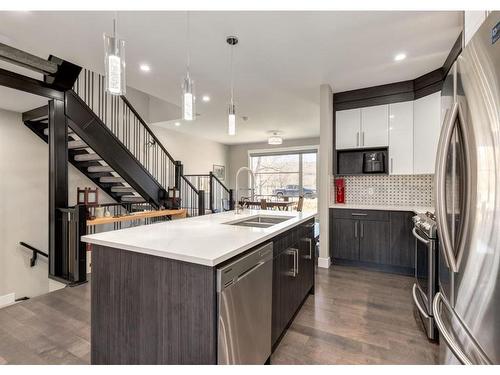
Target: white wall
(198, 155)
(326, 171)
(24, 193)
(238, 156)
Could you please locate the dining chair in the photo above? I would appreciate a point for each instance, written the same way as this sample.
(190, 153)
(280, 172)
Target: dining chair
(263, 204)
(300, 203)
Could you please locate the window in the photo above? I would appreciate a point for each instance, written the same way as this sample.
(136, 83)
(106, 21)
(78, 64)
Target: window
(286, 176)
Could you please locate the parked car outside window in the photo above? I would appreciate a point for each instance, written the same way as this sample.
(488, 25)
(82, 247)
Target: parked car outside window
(294, 191)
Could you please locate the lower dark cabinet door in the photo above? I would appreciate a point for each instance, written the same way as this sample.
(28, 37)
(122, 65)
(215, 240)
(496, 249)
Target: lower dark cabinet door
(374, 241)
(346, 239)
(276, 310)
(402, 248)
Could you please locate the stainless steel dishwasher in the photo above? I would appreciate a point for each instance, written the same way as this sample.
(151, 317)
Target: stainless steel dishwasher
(244, 296)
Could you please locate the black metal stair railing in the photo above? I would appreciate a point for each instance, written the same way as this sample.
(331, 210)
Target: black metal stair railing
(123, 120)
(201, 182)
(221, 197)
(218, 197)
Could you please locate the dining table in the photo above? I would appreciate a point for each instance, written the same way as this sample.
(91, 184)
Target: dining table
(272, 205)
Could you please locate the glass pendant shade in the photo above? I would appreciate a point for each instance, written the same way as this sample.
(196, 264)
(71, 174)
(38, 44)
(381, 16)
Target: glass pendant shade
(231, 129)
(114, 64)
(188, 99)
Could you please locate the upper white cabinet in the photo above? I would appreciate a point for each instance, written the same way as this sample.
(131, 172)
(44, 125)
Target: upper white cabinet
(472, 21)
(362, 127)
(348, 124)
(426, 130)
(375, 126)
(401, 138)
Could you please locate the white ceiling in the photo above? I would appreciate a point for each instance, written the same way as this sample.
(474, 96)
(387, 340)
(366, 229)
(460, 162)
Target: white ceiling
(281, 59)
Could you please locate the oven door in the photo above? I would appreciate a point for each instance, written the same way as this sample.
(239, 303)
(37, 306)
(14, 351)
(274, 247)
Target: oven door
(424, 271)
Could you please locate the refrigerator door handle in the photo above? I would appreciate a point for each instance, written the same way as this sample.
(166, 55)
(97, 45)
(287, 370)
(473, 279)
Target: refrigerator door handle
(438, 301)
(452, 260)
(442, 150)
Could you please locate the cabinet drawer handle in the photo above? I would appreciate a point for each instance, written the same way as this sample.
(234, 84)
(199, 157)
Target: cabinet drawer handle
(296, 262)
(357, 139)
(355, 229)
(308, 240)
(392, 165)
(362, 138)
(362, 230)
(295, 253)
(358, 214)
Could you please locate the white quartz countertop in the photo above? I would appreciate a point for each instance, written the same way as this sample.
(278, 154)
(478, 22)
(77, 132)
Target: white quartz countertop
(205, 240)
(416, 209)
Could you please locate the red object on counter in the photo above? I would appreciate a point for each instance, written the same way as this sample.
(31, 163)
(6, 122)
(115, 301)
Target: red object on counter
(339, 190)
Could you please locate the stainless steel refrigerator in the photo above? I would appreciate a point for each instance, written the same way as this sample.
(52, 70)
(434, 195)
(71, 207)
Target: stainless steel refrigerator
(467, 306)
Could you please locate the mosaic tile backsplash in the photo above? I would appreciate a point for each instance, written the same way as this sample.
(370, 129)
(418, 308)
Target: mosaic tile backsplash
(409, 190)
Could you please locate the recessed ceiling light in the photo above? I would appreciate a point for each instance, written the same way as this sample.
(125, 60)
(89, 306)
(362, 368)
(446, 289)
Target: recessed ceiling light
(400, 56)
(177, 124)
(145, 67)
(205, 98)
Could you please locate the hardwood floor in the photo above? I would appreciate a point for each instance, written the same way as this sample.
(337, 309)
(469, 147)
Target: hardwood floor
(49, 329)
(355, 317)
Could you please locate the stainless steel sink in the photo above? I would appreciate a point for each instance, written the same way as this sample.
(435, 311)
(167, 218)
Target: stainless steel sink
(260, 221)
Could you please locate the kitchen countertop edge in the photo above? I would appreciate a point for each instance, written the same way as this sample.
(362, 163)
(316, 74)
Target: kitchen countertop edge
(195, 259)
(415, 209)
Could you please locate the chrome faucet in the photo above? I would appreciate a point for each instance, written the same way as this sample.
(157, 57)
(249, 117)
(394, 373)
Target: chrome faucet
(238, 207)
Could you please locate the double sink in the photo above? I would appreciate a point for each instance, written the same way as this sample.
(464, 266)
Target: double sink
(260, 221)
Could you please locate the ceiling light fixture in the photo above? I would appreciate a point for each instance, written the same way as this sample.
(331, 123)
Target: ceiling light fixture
(145, 67)
(114, 61)
(205, 98)
(188, 98)
(177, 123)
(231, 122)
(400, 57)
(275, 138)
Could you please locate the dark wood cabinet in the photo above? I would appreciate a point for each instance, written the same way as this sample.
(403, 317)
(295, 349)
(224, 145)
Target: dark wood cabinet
(346, 240)
(373, 241)
(293, 275)
(375, 238)
(402, 247)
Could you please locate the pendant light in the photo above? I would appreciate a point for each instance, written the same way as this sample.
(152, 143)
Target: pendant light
(275, 138)
(114, 62)
(188, 98)
(231, 129)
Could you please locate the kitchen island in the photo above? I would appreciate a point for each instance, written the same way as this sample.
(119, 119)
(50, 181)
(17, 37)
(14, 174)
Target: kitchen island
(154, 296)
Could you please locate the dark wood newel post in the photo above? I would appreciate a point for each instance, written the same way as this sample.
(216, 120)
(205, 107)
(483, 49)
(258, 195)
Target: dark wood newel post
(211, 191)
(201, 202)
(58, 189)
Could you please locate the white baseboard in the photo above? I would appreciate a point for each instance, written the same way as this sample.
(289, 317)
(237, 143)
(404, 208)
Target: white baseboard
(324, 262)
(7, 299)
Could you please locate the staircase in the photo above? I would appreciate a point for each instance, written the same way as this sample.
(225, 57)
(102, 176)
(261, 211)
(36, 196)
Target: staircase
(105, 138)
(112, 145)
(85, 159)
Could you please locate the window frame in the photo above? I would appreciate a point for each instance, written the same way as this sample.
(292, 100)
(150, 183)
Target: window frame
(313, 149)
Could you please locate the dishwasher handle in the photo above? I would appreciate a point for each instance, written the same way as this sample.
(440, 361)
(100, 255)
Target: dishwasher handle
(249, 271)
(230, 273)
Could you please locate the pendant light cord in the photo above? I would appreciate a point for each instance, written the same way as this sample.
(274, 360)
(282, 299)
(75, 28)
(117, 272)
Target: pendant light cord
(115, 25)
(188, 39)
(232, 76)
